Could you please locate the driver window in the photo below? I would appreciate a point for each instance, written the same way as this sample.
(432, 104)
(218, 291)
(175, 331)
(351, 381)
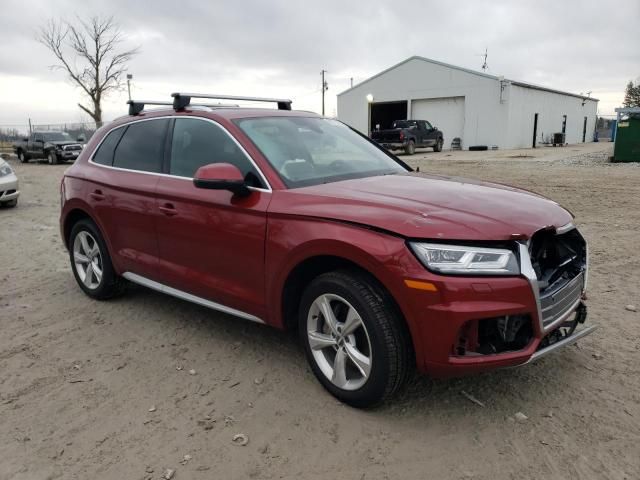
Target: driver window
(196, 143)
(427, 126)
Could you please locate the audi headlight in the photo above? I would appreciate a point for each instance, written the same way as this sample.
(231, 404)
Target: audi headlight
(466, 260)
(5, 170)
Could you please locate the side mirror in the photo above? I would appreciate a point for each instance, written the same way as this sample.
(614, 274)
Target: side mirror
(221, 176)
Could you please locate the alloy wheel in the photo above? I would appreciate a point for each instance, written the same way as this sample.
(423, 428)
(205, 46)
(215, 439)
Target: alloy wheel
(339, 341)
(87, 260)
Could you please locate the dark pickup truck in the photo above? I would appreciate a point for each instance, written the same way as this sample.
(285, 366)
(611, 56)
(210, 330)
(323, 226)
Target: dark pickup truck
(56, 147)
(407, 135)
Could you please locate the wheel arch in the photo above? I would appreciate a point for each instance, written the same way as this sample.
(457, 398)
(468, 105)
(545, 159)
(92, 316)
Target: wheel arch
(307, 269)
(71, 218)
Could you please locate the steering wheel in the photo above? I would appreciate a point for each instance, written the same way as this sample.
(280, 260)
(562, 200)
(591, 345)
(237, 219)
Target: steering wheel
(338, 165)
(297, 168)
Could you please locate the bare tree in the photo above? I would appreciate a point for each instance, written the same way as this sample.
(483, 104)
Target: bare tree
(90, 54)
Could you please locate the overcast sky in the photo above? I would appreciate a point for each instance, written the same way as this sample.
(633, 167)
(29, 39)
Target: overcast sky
(277, 48)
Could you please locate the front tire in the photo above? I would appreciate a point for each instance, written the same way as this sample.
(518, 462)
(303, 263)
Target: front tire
(22, 157)
(410, 149)
(52, 158)
(91, 262)
(438, 146)
(354, 338)
(10, 203)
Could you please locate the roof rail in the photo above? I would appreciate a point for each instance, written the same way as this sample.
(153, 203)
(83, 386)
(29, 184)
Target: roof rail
(182, 100)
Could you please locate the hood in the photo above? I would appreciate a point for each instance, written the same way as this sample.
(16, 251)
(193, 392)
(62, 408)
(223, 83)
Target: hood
(427, 206)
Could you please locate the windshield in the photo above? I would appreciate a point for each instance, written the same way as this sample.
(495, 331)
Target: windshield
(310, 151)
(404, 124)
(56, 137)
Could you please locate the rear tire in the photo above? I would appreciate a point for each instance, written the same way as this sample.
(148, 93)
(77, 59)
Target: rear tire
(365, 357)
(22, 157)
(438, 146)
(410, 149)
(91, 262)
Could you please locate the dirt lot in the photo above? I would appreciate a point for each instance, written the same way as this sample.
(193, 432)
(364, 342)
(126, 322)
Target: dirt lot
(80, 377)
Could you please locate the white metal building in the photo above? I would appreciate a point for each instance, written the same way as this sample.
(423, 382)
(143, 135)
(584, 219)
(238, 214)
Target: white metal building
(478, 108)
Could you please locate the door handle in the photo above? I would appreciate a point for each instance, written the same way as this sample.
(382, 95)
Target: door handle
(97, 195)
(168, 209)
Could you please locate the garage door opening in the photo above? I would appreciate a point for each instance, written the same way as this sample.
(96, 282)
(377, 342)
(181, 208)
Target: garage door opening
(383, 114)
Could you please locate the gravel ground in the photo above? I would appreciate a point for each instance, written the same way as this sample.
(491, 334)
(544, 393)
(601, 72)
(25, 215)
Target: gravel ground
(128, 388)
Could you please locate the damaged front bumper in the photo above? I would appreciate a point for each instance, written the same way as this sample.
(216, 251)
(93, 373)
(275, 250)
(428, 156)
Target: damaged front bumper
(566, 334)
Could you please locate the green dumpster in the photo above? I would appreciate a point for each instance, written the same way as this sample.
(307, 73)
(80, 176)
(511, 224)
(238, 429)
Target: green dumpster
(627, 146)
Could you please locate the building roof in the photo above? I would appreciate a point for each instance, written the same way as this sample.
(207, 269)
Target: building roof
(472, 72)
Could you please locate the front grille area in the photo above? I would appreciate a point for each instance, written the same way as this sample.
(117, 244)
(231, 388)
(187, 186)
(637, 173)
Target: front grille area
(68, 148)
(560, 263)
(557, 303)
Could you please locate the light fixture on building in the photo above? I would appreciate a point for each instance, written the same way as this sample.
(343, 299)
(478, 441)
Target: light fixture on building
(369, 98)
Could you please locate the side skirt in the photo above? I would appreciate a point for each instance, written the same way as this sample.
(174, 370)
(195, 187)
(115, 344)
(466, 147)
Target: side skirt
(145, 282)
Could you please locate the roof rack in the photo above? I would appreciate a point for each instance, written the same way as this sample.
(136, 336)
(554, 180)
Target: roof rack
(182, 100)
(137, 106)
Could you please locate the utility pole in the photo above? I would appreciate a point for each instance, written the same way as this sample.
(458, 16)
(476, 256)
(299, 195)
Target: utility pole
(129, 77)
(325, 87)
(30, 127)
(351, 79)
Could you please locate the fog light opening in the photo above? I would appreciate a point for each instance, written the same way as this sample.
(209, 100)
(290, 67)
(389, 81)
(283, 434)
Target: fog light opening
(495, 335)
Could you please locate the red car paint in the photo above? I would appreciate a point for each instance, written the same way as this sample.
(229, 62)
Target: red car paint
(163, 228)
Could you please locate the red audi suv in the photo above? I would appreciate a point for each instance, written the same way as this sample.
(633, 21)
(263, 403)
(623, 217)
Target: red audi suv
(297, 221)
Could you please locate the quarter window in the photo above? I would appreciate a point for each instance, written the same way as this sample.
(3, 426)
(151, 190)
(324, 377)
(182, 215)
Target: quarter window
(198, 142)
(142, 146)
(104, 155)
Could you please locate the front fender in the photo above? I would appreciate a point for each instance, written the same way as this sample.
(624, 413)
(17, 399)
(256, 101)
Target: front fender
(292, 241)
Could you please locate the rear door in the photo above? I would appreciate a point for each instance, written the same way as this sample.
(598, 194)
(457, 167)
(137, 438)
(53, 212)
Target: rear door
(211, 243)
(35, 146)
(122, 193)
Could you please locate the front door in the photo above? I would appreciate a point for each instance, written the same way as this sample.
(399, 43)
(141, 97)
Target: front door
(430, 134)
(211, 242)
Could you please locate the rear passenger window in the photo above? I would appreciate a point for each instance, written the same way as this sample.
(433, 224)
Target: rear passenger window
(198, 142)
(142, 146)
(104, 155)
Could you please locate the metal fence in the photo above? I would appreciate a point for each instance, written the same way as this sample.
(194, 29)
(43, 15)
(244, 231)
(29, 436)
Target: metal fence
(12, 133)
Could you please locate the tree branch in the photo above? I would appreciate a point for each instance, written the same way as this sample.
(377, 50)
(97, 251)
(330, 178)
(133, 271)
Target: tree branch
(88, 52)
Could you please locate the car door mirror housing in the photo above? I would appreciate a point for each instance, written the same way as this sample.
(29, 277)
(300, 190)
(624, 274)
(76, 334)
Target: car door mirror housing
(221, 176)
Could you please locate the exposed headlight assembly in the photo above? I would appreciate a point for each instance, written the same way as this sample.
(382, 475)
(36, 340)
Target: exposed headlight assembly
(5, 170)
(466, 260)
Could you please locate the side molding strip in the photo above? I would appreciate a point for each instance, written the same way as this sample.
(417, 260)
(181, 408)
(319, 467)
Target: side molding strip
(145, 282)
